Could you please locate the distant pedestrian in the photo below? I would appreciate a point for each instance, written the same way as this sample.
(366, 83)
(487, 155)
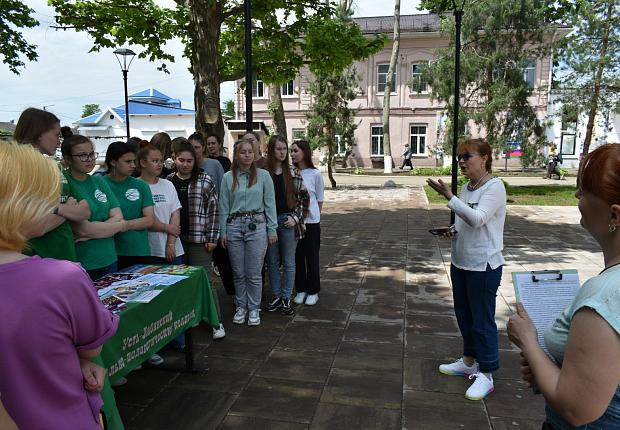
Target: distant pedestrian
(407, 157)
(307, 279)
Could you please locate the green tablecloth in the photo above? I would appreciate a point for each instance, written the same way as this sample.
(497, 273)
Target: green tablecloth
(145, 328)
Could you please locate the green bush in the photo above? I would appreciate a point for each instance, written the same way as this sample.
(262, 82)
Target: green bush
(431, 171)
(358, 171)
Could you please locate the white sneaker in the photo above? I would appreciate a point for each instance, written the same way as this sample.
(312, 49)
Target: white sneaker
(240, 315)
(254, 318)
(312, 299)
(482, 387)
(156, 360)
(299, 298)
(219, 333)
(458, 368)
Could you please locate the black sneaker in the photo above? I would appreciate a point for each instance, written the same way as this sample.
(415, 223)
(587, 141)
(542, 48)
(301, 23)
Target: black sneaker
(274, 305)
(287, 308)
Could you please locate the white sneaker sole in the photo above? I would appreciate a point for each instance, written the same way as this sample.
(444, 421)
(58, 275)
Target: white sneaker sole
(475, 398)
(452, 373)
(253, 322)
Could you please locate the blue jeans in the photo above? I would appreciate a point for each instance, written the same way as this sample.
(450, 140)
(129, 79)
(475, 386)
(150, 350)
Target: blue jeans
(609, 420)
(282, 253)
(246, 249)
(474, 296)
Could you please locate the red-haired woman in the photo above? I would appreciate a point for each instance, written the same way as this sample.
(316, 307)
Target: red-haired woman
(477, 261)
(581, 383)
(292, 202)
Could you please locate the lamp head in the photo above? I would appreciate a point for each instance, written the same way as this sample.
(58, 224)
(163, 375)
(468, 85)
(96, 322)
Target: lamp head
(125, 57)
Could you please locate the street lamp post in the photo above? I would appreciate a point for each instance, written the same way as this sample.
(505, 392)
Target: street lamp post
(125, 57)
(248, 66)
(458, 18)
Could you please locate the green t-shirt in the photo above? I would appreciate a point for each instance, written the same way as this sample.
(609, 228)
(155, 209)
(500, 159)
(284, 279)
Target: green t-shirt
(57, 243)
(133, 195)
(95, 253)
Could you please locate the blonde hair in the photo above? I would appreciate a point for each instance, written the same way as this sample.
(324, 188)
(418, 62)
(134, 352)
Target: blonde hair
(29, 190)
(235, 164)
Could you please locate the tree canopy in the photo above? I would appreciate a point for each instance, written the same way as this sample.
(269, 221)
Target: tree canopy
(212, 31)
(501, 42)
(588, 71)
(15, 15)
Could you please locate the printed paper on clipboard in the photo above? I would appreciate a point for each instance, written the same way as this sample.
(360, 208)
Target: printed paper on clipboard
(545, 294)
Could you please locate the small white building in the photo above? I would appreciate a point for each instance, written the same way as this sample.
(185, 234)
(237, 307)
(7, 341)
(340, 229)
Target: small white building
(150, 112)
(567, 134)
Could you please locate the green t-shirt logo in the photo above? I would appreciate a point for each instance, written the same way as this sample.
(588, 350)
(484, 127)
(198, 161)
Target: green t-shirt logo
(132, 194)
(100, 195)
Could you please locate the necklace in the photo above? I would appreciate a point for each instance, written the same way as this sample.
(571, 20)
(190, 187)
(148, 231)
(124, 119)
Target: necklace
(471, 187)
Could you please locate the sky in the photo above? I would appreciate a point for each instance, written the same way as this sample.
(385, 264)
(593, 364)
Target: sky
(67, 76)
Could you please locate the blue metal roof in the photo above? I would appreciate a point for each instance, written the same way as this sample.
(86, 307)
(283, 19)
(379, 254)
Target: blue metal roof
(151, 92)
(139, 108)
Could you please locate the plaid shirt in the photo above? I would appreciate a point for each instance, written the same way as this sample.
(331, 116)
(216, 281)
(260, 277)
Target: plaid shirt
(302, 205)
(204, 220)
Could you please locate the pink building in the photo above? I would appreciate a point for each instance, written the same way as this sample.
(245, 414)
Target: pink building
(414, 117)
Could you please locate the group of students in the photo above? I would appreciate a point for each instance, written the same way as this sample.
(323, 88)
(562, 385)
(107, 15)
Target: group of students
(171, 201)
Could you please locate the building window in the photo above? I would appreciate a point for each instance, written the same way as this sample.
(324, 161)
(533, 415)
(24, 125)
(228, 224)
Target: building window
(340, 146)
(382, 74)
(569, 135)
(376, 140)
(258, 88)
(299, 133)
(288, 89)
(529, 72)
(417, 139)
(418, 82)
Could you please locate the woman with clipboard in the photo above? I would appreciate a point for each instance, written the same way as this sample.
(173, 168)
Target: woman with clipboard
(581, 384)
(477, 261)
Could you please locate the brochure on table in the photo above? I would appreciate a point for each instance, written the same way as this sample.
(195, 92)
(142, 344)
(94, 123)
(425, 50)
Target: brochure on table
(140, 285)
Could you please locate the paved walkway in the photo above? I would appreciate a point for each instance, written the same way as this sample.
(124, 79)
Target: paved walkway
(366, 356)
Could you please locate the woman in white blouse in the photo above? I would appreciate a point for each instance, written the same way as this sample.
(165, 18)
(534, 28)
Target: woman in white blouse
(477, 261)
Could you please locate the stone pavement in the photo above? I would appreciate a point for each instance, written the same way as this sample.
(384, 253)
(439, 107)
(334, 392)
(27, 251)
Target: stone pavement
(366, 356)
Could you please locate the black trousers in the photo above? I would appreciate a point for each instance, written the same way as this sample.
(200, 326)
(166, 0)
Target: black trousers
(221, 260)
(406, 162)
(307, 278)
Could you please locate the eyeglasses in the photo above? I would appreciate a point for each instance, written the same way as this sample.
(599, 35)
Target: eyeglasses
(86, 157)
(466, 156)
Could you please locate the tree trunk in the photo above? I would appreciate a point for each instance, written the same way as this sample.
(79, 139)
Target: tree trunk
(329, 130)
(205, 21)
(597, 81)
(277, 110)
(387, 149)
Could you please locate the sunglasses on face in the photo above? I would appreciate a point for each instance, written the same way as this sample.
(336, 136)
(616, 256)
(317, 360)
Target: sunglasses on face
(465, 156)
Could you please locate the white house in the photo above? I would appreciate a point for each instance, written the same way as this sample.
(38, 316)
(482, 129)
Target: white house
(150, 112)
(567, 134)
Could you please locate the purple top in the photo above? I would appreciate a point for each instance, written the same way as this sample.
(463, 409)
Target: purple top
(48, 310)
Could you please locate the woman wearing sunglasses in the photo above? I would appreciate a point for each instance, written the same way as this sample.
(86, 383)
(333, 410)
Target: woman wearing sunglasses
(477, 261)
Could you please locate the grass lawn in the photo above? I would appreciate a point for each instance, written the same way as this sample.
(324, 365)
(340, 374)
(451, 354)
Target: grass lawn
(539, 195)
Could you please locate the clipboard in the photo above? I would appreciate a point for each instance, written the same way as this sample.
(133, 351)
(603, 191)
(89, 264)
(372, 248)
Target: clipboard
(545, 294)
